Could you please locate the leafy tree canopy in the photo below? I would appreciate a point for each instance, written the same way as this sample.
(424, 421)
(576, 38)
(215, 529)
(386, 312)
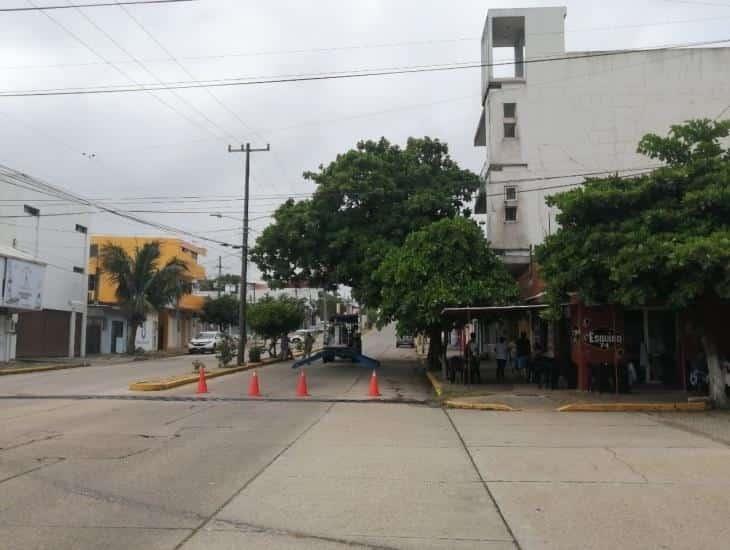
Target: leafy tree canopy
(662, 238)
(366, 202)
(271, 317)
(447, 263)
(221, 311)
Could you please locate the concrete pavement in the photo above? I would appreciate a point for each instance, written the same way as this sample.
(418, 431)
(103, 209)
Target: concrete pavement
(171, 473)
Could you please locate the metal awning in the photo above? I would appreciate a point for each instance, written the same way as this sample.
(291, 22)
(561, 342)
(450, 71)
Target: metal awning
(483, 311)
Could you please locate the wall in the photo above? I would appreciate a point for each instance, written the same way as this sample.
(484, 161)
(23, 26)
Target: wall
(586, 115)
(169, 248)
(51, 238)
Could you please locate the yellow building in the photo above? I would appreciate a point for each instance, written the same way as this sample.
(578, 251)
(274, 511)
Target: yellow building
(164, 330)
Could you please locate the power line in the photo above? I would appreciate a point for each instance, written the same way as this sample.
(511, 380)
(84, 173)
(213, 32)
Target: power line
(357, 73)
(153, 75)
(99, 5)
(373, 46)
(26, 182)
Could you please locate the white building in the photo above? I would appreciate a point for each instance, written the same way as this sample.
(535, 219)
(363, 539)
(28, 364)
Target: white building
(550, 116)
(44, 234)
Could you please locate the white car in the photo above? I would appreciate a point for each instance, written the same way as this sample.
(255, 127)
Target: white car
(205, 342)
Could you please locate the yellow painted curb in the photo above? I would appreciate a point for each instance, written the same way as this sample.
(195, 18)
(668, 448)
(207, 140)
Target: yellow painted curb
(437, 386)
(456, 404)
(176, 381)
(634, 407)
(26, 370)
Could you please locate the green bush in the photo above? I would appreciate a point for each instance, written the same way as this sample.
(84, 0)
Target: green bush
(226, 352)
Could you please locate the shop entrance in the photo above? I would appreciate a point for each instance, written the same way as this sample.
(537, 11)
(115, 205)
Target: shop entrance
(651, 344)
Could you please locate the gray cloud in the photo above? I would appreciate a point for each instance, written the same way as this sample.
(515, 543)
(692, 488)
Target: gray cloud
(144, 147)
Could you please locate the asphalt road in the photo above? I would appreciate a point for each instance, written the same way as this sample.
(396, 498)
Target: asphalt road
(225, 473)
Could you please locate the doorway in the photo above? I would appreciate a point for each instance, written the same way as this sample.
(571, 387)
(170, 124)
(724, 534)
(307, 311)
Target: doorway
(117, 336)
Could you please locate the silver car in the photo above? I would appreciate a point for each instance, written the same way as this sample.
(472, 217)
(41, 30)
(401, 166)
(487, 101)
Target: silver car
(205, 342)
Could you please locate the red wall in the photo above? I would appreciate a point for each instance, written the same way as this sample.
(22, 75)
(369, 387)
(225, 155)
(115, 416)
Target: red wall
(601, 323)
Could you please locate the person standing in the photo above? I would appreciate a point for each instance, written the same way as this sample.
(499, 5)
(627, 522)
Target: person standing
(501, 352)
(308, 343)
(523, 352)
(473, 359)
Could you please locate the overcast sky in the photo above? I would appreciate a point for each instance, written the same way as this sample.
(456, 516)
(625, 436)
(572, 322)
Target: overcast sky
(174, 143)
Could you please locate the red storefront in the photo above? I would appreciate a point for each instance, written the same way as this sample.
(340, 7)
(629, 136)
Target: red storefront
(660, 344)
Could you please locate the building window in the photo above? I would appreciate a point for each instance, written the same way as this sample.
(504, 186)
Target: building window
(92, 283)
(510, 119)
(510, 193)
(81, 228)
(31, 210)
(93, 250)
(510, 213)
(78, 269)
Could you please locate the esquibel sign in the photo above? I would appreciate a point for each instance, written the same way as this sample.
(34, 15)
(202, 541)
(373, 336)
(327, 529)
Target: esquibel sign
(604, 338)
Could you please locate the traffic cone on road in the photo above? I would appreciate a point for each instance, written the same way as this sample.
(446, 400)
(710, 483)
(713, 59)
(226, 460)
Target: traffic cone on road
(253, 386)
(302, 386)
(374, 391)
(202, 384)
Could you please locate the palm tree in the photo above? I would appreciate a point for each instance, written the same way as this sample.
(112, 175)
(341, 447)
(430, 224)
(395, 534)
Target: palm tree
(142, 286)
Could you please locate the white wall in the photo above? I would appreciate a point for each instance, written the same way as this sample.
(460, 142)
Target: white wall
(585, 115)
(51, 239)
(146, 337)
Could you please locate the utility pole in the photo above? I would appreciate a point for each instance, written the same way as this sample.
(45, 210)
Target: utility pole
(220, 275)
(243, 286)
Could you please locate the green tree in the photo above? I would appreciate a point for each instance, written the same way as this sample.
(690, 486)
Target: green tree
(272, 317)
(658, 239)
(221, 311)
(366, 202)
(141, 284)
(447, 263)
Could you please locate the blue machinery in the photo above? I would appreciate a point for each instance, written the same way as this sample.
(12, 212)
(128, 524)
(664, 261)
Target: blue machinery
(342, 341)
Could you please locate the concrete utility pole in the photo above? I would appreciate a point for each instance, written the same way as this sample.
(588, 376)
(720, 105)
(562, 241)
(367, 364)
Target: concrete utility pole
(220, 274)
(243, 286)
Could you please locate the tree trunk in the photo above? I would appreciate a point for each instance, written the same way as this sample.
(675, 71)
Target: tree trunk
(715, 371)
(131, 337)
(435, 348)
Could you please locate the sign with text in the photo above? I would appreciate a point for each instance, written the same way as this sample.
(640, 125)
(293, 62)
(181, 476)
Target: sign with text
(23, 288)
(604, 338)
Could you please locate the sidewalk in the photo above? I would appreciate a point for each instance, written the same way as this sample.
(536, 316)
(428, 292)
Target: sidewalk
(515, 394)
(42, 364)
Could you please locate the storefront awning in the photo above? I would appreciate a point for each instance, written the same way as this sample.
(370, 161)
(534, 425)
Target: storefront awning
(483, 311)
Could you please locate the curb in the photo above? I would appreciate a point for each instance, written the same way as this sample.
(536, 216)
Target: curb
(635, 407)
(466, 405)
(174, 382)
(437, 386)
(27, 370)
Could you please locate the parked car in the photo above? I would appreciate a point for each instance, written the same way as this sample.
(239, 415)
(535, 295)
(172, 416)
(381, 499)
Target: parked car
(406, 340)
(205, 342)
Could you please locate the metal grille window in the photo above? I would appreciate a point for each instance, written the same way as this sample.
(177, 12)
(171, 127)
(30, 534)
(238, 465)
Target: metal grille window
(510, 214)
(510, 193)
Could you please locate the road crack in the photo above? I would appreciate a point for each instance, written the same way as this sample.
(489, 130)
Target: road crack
(253, 478)
(245, 527)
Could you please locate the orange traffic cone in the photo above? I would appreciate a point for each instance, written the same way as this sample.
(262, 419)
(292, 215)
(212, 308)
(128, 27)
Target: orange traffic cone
(253, 386)
(302, 386)
(202, 384)
(374, 391)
